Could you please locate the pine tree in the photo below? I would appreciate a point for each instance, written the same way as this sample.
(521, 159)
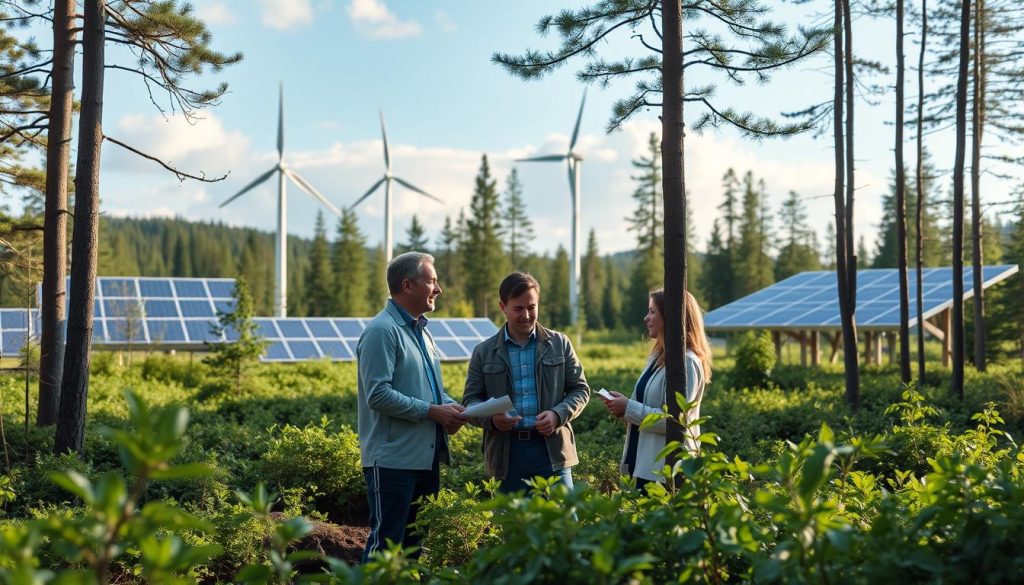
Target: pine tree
(516, 224)
(484, 258)
(863, 255)
(416, 237)
(646, 221)
(377, 286)
(753, 264)
(555, 295)
(1006, 326)
(593, 281)
(348, 257)
(236, 357)
(320, 281)
(713, 282)
(611, 308)
(254, 266)
(797, 252)
(931, 246)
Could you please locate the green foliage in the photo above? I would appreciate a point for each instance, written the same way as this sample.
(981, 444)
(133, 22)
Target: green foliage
(483, 254)
(349, 261)
(234, 358)
(454, 527)
(319, 461)
(755, 360)
(516, 224)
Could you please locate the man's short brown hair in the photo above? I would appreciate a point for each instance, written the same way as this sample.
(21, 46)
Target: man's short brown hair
(516, 284)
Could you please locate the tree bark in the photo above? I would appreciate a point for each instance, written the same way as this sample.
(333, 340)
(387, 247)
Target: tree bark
(70, 433)
(55, 224)
(977, 128)
(919, 185)
(674, 190)
(957, 334)
(846, 261)
(901, 205)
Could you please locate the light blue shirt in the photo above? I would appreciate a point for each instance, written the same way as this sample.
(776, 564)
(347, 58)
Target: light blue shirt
(523, 361)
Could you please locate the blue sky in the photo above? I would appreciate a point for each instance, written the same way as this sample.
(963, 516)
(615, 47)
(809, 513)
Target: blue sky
(426, 64)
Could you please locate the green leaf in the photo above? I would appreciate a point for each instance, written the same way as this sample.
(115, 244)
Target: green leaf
(815, 471)
(184, 471)
(254, 574)
(77, 484)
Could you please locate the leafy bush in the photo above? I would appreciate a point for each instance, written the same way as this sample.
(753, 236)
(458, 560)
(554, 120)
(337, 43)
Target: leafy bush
(324, 464)
(755, 360)
(453, 527)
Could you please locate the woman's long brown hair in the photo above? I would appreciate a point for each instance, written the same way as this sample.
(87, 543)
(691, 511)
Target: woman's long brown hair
(696, 338)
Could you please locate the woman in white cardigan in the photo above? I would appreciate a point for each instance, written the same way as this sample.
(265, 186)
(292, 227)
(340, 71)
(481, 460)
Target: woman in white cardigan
(640, 453)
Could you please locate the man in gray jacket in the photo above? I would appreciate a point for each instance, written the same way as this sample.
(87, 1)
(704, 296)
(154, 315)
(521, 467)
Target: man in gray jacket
(404, 413)
(538, 369)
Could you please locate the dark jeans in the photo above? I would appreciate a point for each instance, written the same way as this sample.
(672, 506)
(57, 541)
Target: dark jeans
(528, 459)
(392, 494)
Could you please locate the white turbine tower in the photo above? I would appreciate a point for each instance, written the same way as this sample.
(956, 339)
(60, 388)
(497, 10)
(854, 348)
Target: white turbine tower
(283, 172)
(574, 161)
(386, 181)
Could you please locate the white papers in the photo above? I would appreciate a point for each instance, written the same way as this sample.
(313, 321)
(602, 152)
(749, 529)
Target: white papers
(490, 407)
(605, 394)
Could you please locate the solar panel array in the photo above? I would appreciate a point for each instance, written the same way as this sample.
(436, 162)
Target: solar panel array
(808, 301)
(180, 313)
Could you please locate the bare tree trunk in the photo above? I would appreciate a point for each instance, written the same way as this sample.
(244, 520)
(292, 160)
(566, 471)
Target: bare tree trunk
(919, 184)
(977, 127)
(958, 202)
(55, 223)
(675, 213)
(901, 205)
(70, 435)
(846, 260)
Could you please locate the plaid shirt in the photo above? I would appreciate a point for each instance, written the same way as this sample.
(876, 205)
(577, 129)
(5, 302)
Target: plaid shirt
(522, 359)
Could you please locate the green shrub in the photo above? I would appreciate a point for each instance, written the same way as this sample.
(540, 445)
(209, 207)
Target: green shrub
(320, 461)
(36, 487)
(755, 360)
(453, 527)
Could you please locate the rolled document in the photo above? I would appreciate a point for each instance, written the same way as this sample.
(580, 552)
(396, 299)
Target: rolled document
(605, 394)
(490, 407)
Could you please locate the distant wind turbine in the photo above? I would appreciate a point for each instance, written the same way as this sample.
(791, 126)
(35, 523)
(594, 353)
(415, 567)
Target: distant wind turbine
(574, 161)
(386, 181)
(282, 170)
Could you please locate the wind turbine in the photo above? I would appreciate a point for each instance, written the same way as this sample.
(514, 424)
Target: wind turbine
(283, 172)
(574, 161)
(386, 181)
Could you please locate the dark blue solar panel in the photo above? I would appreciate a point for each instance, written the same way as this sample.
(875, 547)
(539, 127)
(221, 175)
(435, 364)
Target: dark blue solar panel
(304, 350)
(230, 333)
(164, 331)
(451, 349)
(224, 305)
(321, 329)
(193, 289)
(200, 330)
(277, 351)
(439, 329)
(12, 342)
(119, 330)
(221, 288)
(349, 327)
(156, 288)
(461, 329)
(118, 287)
(196, 309)
(290, 328)
(122, 308)
(335, 349)
(13, 319)
(485, 327)
(265, 328)
(161, 309)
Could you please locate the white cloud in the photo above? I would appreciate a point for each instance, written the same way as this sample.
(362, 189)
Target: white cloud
(215, 12)
(372, 18)
(286, 14)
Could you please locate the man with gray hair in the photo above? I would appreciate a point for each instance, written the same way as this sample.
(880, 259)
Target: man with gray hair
(404, 413)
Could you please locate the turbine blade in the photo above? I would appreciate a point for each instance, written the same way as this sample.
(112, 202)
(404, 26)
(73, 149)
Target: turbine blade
(280, 125)
(412, 187)
(579, 116)
(546, 158)
(368, 193)
(256, 182)
(309, 188)
(384, 133)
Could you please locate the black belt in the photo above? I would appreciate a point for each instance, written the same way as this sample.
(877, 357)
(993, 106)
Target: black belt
(526, 434)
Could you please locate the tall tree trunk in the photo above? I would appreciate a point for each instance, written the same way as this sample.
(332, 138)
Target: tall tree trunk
(674, 191)
(901, 205)
(70, 435)
(55, 222)
(919, 185)
(958, 201)
(977, 128)
(844, 150)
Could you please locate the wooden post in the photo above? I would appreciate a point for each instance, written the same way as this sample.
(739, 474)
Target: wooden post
(803, 349)
(777, 340)
(946, 322)
(815, 348)
(878, 349)
(836, 337)
(869, 339)
(892, 346)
